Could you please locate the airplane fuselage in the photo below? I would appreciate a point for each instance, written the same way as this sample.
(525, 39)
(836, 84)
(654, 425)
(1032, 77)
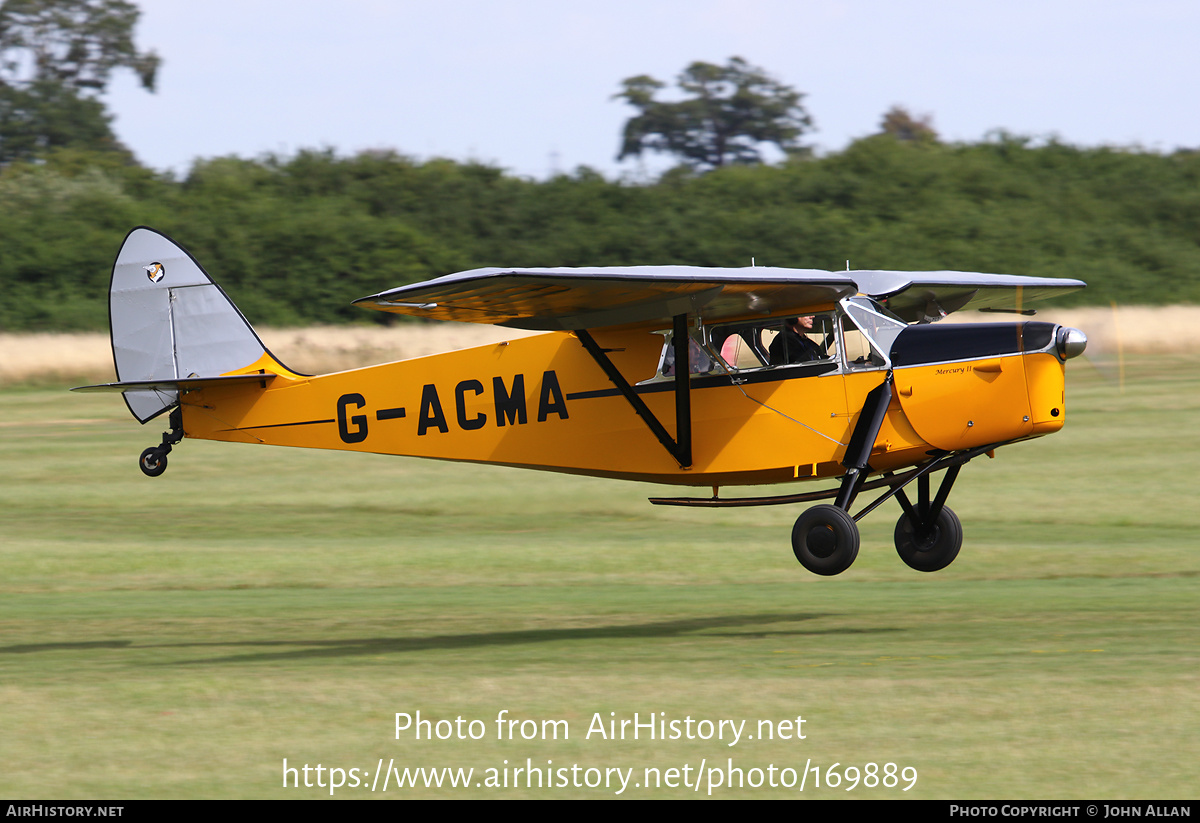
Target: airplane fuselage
(542, 402)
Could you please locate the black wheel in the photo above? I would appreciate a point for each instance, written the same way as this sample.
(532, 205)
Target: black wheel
(825, 540)
(153, 462)
(933, 551)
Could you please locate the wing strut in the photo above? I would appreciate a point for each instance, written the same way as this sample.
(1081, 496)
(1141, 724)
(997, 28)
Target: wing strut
(680, 446)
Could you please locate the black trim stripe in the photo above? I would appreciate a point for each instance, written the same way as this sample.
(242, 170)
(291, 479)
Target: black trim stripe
(282, 425)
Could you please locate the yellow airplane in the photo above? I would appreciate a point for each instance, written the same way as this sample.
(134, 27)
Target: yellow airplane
(791, 375)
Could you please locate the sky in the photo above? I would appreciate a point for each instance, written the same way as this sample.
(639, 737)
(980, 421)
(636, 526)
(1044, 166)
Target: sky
(528, 85)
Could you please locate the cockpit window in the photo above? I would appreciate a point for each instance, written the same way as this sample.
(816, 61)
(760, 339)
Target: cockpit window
(858, 336)
(783, 341)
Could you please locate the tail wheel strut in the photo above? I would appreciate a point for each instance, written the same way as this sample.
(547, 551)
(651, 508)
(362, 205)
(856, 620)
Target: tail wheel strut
(153, 461)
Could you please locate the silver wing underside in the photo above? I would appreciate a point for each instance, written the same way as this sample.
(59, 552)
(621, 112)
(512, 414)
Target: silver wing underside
(581, 298)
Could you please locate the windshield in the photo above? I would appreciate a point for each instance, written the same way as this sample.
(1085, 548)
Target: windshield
(880, 327)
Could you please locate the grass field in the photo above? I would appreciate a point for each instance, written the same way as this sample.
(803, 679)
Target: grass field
(182, 637)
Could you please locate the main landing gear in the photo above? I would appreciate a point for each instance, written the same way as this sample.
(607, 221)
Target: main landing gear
(825, 540)
(932, 547)
(928, 535)
(153, 461)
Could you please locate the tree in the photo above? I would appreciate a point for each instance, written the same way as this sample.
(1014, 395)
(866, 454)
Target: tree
(727, 114)
(903, 126)
(56, 57)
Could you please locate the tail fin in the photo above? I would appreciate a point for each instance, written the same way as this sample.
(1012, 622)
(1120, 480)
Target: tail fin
(171, 322)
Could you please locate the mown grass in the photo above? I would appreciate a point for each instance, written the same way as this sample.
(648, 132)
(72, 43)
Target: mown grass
(180, 637)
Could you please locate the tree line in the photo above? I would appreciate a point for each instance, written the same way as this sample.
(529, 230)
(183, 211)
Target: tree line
(294, 239)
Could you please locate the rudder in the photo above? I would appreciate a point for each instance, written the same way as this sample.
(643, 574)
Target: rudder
(170, 321)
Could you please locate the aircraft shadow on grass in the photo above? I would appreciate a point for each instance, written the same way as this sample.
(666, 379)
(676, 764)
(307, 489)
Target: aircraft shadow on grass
(716, 626)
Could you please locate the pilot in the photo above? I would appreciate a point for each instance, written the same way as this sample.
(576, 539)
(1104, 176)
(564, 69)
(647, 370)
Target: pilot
(793, 345)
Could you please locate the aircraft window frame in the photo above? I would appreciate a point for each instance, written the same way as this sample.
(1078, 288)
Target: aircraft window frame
(877, 327)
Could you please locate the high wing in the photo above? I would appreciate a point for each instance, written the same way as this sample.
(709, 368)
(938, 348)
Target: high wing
(923, 296)
(569, 299)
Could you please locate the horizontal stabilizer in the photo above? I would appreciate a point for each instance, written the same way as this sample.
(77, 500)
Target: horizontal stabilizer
(177, 384)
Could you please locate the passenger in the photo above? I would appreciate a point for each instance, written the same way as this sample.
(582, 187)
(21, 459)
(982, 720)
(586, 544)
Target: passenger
(698, 360)
(729, 349)
(793, 345)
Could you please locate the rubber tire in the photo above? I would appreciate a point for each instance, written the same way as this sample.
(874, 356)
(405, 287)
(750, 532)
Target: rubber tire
(937, 550)
(825, 540)
(153, 462)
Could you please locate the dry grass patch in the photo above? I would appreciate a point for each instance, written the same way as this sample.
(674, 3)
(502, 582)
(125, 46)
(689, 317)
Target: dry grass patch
(56, 358)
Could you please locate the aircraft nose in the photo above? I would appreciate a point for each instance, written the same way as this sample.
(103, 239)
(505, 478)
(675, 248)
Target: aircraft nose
(1070, 342)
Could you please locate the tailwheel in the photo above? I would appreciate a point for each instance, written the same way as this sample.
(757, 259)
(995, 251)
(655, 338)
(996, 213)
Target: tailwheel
(932, 548)
(825, 540)
(153, 462)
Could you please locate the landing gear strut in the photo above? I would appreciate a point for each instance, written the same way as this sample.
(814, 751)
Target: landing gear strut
(825, 538)
(153, 461)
